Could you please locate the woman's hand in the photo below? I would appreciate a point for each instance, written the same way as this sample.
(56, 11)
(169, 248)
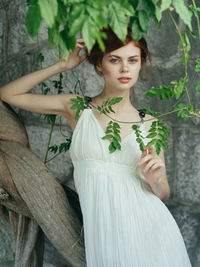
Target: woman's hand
(73, 59)
(152, 166)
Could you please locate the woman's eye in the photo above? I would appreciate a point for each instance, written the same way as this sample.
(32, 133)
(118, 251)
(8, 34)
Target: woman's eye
(133, 60)
(114, 60)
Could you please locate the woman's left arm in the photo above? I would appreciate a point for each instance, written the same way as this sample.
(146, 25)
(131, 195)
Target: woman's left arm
(153, 169)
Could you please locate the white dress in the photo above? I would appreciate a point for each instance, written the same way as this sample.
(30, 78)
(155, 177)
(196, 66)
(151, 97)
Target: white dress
(125, 223)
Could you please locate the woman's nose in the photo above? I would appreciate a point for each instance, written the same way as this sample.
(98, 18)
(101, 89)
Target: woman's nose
(124, 68)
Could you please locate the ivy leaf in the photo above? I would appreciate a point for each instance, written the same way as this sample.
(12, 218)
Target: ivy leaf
(134, 3)
(136, 29)
(69, 41)
(143, 20)
(48, 9)
(118, 20)
(197, 68)
(77, 18)
(198, 87)
(33, 19)
(184, 13)
(165, 4)
(88, 33)
(149, 7)
(128, 9)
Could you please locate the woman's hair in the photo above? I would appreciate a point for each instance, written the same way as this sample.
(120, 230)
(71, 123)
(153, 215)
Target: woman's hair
(112, 42)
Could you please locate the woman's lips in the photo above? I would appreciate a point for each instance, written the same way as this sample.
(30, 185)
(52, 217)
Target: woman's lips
(124, 80)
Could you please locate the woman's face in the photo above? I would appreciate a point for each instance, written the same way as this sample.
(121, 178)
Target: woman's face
(121, 67)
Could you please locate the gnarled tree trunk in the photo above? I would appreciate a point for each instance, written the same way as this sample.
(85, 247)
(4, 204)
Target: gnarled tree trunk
(35, 197)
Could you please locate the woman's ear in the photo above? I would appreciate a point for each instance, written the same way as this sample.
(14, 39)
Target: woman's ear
(99, 68)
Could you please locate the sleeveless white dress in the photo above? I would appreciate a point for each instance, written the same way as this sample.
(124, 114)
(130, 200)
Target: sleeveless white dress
(125, 223)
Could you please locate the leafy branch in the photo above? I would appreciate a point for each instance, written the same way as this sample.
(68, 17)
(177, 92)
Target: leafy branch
(113, 134)
(63, 26)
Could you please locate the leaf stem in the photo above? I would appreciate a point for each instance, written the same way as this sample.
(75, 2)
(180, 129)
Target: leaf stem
(161, 115)
(198, 23)
(54, 156)
(184, 52)
(49, 141)
(188, 89)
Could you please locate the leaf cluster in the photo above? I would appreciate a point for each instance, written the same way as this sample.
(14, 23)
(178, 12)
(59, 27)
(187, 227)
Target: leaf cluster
(139, 136)
(113, 134)
(66, 18)
(63, 147)
(80, 103)
(106, 107)
(158, 133)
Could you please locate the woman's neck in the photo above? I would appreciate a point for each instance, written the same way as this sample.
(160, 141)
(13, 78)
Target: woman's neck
(123, 106)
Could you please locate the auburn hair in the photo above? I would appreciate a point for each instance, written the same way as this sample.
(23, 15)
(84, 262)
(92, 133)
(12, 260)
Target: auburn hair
(112, 42)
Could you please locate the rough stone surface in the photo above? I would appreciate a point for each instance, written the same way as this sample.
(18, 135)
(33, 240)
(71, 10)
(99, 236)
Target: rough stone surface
(6, 249)
(182, 155)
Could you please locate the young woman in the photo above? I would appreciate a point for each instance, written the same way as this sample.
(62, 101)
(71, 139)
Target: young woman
(126, 223)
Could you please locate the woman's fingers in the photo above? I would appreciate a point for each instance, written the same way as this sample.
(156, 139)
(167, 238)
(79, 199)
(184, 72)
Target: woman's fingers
(145, 159)
(149, 165)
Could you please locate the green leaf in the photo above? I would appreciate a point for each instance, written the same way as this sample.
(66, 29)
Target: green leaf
(88, 34)
(197, 67)
(134, 3)
(182, 112)
(142, 146)
(165, 4)
(33, 19)
(77, 18)
(163, 146)
(149, 7)
(151, 135)
(180, 87)
(108, 131)
(136, 29)
(107, 137)
(158, 147)
(152, 142)
(150, 111)
(111, 109)
(163, 92)
(184, 13)
(143, 20)
(117, 136)
(69, 41)
(112, 147)
(198, 87)
(75, 106)
(127, 8)
(117, 20)
(48, 9)
(116, 125)
(115, 100)
(135, 127)
(190, 108)
(77, 116)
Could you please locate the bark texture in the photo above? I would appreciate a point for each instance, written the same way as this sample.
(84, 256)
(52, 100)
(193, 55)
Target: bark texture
(37, 200)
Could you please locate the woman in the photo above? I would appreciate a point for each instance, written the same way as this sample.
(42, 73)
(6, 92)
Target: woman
(126, 223)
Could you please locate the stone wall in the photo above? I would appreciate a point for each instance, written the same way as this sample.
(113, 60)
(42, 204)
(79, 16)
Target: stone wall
(19, 55)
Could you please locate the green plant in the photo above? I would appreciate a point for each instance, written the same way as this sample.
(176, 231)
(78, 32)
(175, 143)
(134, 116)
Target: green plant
(66, 18)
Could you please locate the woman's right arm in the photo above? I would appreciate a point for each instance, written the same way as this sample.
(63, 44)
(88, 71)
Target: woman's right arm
(16, 92)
